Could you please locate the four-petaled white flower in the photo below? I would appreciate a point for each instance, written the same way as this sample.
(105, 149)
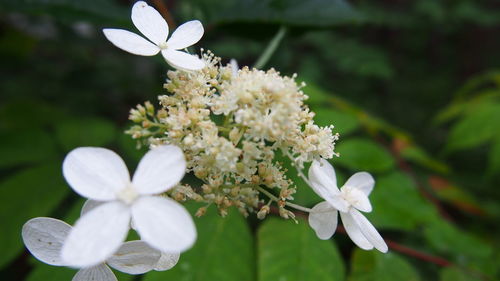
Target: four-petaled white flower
(44, 238)
(152, 25)
(353, 196)
(101, 175)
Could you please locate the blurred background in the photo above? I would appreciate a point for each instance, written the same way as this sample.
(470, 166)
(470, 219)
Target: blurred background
(413, 88)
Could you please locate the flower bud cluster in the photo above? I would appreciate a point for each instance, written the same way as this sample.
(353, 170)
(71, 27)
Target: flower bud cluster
(232, 124)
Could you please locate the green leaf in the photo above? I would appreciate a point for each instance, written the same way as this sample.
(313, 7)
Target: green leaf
(25, 147)
(447, 238)
(363, 154)
(28, 114)
(475, 128)
(344, 123)
(31, 193)
(389, 212)
(44, 272)
(292, 252)
(223, 251)
(73, 133)
(466, 249)
(494, 158)
(453, 273)
(376, 266)
(418, 155)
(291, 12)
(69, 10)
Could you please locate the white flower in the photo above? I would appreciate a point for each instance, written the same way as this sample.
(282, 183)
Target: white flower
(44, 238)
(353, 196)
(101, 175)
(152, 25)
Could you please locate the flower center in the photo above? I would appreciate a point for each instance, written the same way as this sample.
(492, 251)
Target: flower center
(163, 45)
(127, 195)
(351, 195)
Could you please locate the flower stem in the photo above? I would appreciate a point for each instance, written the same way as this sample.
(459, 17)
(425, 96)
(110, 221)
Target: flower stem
(272, 197)
(271, 48)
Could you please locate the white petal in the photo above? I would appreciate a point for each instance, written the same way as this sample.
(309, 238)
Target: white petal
(323, 219)
(369, 231)
(134, 257)
(97, 235)
(100, 272)
(90, 205)
(131, 42)
(234, 67)
(322, 173)
(164, 224)
(167, 261)
(186, 35)
(159, 170)
(96, 173)
(354, 232)
(362, 181)
(182, 60)
(323, 181)
(44, 237)
(149, 22)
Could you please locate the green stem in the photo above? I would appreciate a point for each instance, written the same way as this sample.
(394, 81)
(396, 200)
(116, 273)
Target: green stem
(271, 196)
(271, 48)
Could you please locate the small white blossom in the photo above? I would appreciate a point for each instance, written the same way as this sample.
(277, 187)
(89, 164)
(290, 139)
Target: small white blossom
(44, 238)
(152, 25)
(353, 196)
(101, 175)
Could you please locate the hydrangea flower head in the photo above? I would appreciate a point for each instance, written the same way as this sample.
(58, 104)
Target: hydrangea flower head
(349, 200)
(101, 175)
(152, 25)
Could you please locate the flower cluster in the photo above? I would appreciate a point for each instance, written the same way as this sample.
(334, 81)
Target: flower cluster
(228, 127)
(232, 125)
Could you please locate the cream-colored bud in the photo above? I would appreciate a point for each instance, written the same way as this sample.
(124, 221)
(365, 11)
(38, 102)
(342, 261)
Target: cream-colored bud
(263, 212)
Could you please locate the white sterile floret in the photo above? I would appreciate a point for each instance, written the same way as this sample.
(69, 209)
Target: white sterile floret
(353, 196)
(152, 25)
(101, 175)
(44, 238)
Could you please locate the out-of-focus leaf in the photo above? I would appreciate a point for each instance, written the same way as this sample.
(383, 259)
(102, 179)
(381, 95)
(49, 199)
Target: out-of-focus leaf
(453, 273)
(466, 249)
(317, 96)
(223, 251)
(475, 128)
(292, 12)
(363, 155)
(494, 157)
(44, 272)
(27, 114)
(69, 10)
(351, 56)
(390, 212)
(73, 133)
(287, 251)
(344, 123)
(27, 146)
(415, 154)
(31, 193)
(129, 147)
(376, 266)
(455, 195)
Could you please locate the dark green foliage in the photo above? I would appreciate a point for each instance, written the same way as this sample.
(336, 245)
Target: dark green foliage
(412, 87)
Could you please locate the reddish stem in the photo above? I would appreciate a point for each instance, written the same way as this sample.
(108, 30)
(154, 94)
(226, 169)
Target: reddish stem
(392, 245)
